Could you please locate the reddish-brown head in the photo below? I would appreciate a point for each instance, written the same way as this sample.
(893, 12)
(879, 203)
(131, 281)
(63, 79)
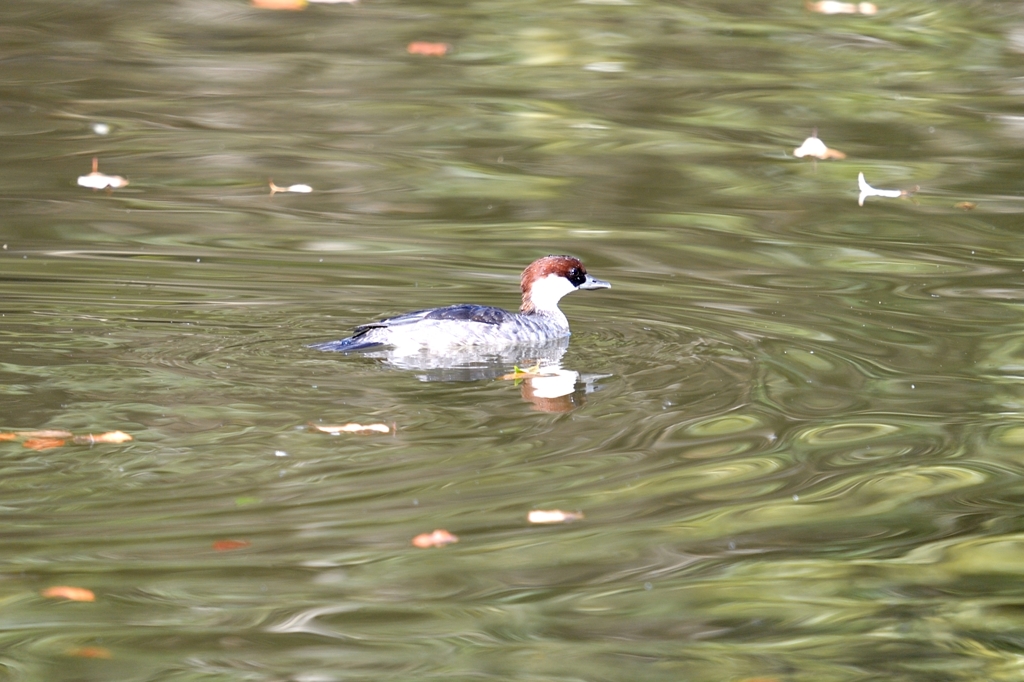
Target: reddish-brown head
(547, 279)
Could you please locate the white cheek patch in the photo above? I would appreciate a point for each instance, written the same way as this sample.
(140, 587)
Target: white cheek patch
(548, 290)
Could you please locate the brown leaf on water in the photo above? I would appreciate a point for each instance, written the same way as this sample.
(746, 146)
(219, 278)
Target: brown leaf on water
(230, 545)
(351, 427)
(553, 516)
(44, 443)
(70, 593)
(964, 205)
(90, 652)
(8, 436)
(439, 538)
(428, 49)
(108, 437)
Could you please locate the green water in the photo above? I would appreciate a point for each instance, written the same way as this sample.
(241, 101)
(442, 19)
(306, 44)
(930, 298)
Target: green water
(798, 425)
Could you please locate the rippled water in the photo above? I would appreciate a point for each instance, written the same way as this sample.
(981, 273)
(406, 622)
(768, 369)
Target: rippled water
(794, 425)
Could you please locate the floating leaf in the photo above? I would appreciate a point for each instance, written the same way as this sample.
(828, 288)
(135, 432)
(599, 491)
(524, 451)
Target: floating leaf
(230, 545)
(301, 189)
(90, 652)
(108, 437)
(965, 205)
(553, 516)
(43, 443)
(813, 146)
(280, 4)
(835, 7)
(439, 538)
(428, 49)
(71, 593)
(352, 427)
(867, 190)
(97, 180)
(45, 433)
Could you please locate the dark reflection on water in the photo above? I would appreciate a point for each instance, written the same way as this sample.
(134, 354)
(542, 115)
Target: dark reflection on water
(794, 426)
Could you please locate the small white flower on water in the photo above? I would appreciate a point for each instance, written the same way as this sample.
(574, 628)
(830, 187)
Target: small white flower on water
(867, 190)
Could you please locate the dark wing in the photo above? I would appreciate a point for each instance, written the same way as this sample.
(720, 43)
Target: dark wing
(484, 314)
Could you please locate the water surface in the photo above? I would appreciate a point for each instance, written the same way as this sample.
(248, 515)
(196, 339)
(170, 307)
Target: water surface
(797, 425)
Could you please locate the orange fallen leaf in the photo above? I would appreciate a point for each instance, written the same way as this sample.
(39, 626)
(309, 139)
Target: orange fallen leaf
(43, 443)
(439, 538)
(428, 49)
(66, 592)
(229, 545)
(8, 436)
(965, 205)
(90, 652)
(280, 4)
(108, 437)
(352, 427)
(553, 516)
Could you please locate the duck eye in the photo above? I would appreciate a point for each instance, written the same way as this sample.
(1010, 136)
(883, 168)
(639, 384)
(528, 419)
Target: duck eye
(577, 277)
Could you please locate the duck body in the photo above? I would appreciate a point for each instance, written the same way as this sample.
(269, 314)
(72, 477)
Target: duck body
(543, 284)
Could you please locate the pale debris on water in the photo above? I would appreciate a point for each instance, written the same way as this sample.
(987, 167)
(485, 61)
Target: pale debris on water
(867, 190)
(108, 437)
(301, 189)
(439, 538)
(553, 516)
(351, 427)
(813, 146)
(97, 180)
(835, 7)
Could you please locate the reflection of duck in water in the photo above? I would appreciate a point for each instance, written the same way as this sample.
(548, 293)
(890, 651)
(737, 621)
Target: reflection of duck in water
(458, 327)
